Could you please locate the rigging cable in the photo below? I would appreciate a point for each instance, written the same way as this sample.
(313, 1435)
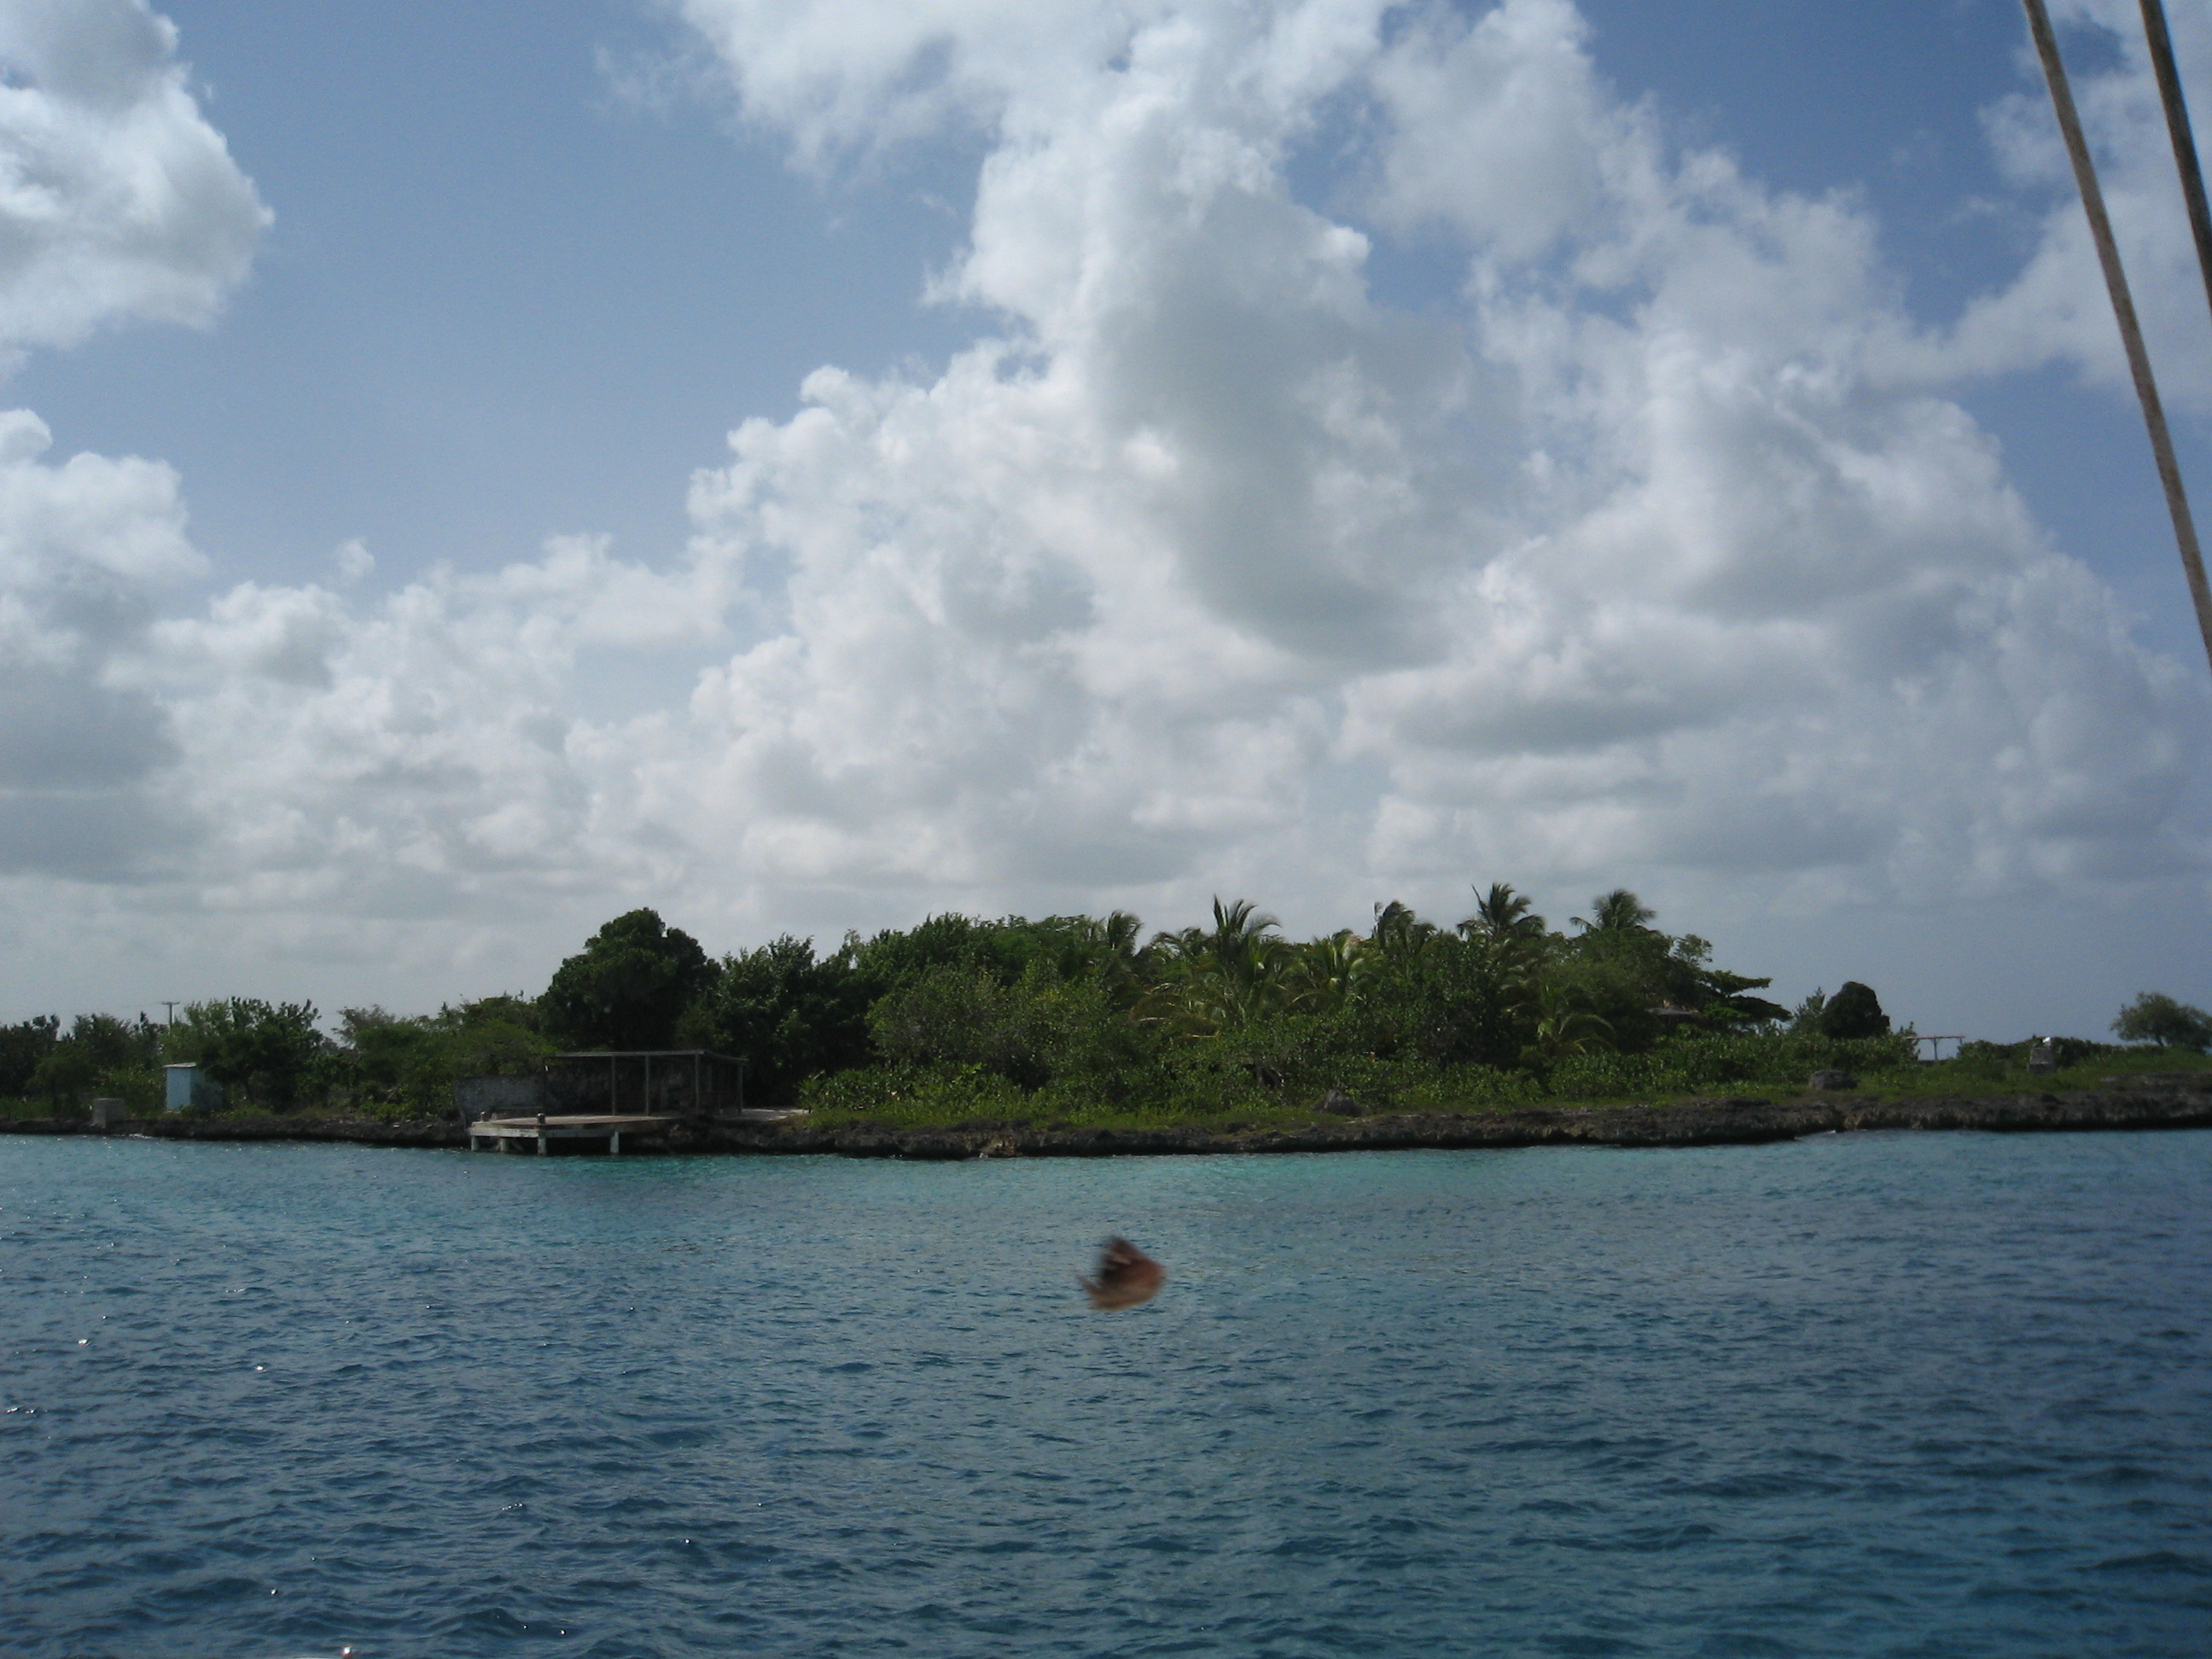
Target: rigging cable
(2178, 128)
(2123, 309)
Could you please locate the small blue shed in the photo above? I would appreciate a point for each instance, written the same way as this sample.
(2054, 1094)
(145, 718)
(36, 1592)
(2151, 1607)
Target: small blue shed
(190, 1090)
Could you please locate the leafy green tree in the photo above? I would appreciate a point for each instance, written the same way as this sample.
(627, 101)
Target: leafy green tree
(1630, 974)
(895, 956)
(492, 1037)
(22, 1047)
(2153, 1017)
(1082, 1030)
(102, 1054)
(385, 1061)
(261, 1053)
(382, 1057)
(1245, 944)
(959, 1016)
(957, 1027)
(1439, 999)
(1728, 1002)
(116, 1044)
(627, 987)
(1076, 1009)
(787, 1012)
(66, 1075)
(1854, 1011)
(1620, 969)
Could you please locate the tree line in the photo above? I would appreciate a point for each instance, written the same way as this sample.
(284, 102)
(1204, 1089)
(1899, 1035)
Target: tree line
(1070, 1016)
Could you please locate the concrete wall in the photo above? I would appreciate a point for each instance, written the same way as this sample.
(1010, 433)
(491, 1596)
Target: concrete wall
(498, 1096)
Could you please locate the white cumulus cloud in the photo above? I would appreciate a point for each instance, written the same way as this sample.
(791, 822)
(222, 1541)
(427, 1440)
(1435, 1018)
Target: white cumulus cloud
(86, 548)
(116, 199)
(1662, 553)
(1641, 562)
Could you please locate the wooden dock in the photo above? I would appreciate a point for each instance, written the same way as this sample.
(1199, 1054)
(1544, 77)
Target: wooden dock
(516, 1134)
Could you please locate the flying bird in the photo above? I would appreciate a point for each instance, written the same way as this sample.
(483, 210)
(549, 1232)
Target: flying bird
(1127, 1276)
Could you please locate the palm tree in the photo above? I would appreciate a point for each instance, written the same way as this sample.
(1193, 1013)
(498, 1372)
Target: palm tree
(1123, 958)
(1618, 912)
(1504, 916)
(1243, 944)
(1224, 976)
(1561, 1027)
(1399, 931)
(1327, 972)
(1117, 934)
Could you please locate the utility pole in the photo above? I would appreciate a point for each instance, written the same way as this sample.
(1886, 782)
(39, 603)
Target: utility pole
(2124, 311)
(172, 1007)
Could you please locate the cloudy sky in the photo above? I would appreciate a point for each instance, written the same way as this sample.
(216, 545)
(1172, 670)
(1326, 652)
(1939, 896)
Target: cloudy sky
(805, 464)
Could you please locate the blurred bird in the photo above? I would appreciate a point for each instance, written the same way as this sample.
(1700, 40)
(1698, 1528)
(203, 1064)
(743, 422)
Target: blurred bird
(1127, 1276)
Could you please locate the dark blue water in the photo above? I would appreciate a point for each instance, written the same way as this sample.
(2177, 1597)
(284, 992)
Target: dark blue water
(1934, 1395)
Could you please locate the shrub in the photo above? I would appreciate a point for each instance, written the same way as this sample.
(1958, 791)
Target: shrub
(397, 1067)
(1703, 1063)
(915, 1094)
(1855, 1012)
(959, 1016)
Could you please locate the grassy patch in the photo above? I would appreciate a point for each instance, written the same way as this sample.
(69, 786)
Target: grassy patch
(1215, 1097)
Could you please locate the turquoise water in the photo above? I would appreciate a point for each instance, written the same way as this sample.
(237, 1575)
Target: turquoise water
(1881, 1394)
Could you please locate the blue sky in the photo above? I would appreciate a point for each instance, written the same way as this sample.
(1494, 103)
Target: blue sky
(498, 302)
(504, 299)
(529, 267)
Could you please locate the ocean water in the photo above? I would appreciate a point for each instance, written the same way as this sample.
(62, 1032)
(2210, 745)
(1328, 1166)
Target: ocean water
(1879, 1394)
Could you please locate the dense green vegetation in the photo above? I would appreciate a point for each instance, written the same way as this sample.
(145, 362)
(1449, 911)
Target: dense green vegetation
(1082, 1019)
(272, 1057)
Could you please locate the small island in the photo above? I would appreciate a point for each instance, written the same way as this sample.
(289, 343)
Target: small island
(1079, 1035)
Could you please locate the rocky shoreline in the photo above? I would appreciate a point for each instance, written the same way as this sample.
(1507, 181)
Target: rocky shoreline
(2174, 1101)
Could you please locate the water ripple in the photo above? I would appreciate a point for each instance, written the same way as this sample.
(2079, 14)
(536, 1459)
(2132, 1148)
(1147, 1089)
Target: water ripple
(1881, 1394)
